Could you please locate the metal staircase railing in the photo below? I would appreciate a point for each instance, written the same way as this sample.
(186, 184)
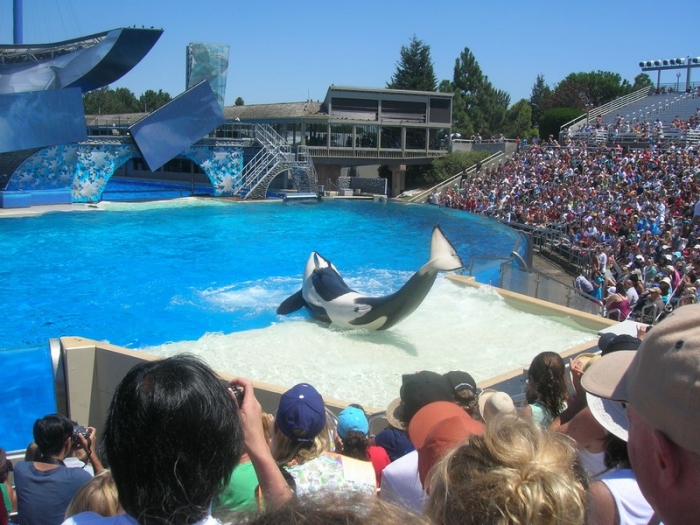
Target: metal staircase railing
(274, 158)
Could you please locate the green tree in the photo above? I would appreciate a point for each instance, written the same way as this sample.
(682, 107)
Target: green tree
(478, 107)
(641, 81)
(553, 119)
(587, 90)
(150, 100)
(96, 102)
(238, 102)
(455, 162)
(415, 68)
(538, 98)
(518, 119)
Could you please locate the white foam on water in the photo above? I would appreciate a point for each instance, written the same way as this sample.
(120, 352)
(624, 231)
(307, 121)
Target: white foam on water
(456, 328)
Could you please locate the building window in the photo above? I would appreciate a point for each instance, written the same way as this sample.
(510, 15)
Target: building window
(415, 138)
(317, 135)
(391, 137)
(366, 136)
(341, 136)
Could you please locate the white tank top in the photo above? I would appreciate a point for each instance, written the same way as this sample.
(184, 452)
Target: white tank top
(631, 505)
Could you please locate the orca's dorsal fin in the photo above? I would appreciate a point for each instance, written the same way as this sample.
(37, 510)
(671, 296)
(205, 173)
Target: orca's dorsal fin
(291, 304)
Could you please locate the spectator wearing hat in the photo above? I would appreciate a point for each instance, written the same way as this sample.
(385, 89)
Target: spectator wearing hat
(394, 441)
(435, 430)
(492, 402)
(615, 498)
(400, 483)
(464, 391)
(301, 443)
(352, 440)
(660, 385)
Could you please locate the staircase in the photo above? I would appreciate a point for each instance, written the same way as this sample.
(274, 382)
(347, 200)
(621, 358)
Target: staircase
(274, 158)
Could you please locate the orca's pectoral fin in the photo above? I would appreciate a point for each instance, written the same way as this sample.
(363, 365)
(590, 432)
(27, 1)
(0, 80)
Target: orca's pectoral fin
(291, 304)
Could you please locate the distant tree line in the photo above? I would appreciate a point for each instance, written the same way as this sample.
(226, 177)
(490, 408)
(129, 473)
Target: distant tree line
(479, 108)
(106, 101)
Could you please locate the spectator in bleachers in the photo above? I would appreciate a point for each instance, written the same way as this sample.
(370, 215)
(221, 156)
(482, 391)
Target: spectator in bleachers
(400, 482)
(99, 495)
(8, 491)
(515, 473)
(302, 440)
(173, 435)
(46, 486)
(546, 390)
(353, 441)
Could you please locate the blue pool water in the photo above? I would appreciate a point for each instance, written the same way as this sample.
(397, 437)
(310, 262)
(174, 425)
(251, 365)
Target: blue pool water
(140, 275)
(205, 276)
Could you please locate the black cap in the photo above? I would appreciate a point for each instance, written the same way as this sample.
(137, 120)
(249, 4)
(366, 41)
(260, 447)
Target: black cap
(610, 342)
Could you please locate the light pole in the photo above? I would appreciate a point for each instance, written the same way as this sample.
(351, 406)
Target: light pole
(678, 78)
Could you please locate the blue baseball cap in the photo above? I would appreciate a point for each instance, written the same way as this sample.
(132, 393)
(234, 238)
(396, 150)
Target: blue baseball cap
(301, 414)
(352, 418)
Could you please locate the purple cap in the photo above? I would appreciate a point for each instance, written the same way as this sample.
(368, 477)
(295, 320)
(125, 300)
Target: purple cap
(301, 414)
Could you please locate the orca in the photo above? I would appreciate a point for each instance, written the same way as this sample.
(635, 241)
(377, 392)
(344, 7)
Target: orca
(330, 300)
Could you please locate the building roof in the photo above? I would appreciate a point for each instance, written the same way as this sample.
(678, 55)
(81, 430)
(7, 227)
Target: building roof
(292, 110)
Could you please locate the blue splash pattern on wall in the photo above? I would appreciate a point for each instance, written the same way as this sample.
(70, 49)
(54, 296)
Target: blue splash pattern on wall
(95, 167)
(48, 169)
(87, 167)
(222, 164)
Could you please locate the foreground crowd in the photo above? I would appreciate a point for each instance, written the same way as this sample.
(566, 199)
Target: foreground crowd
(179, 446)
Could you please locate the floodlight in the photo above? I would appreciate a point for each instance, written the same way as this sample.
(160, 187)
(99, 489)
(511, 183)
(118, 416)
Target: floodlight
(666, 62)
(657, 63)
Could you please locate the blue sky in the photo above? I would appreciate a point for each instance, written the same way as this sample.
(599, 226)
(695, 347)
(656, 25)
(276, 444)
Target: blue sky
(288, 51)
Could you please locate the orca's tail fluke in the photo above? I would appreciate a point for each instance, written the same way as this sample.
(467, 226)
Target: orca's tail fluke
(443, 256)
(291, 304)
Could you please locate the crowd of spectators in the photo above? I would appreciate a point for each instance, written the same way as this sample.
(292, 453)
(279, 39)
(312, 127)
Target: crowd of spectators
(176, 436)
(629, 215)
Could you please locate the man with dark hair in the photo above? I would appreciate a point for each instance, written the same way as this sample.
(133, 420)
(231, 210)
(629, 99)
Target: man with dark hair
(173, 435)
(46, 486)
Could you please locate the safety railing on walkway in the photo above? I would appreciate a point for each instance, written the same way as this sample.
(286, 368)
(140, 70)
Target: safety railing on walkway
(487, 162)
(542, 286)
(609, 107)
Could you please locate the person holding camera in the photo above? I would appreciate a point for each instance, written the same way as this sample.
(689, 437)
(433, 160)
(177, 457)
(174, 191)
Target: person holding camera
(46, 486)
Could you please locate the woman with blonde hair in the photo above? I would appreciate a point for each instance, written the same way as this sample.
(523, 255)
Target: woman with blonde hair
(98, 495)
(302, 438)
(515, 473)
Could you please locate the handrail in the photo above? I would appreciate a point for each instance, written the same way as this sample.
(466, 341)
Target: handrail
(421, 197)
(609, 106)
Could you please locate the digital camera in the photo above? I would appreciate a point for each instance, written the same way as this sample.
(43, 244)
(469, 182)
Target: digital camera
(80, 430)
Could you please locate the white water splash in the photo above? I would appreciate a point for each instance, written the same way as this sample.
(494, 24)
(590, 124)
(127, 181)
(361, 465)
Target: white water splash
(456, 328)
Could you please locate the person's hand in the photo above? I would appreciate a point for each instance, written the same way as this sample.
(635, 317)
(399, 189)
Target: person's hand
(250, 413)
(83, 441)
(642, 331)
(576, 369)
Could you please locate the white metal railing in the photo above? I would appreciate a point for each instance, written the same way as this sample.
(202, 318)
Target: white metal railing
(488, 161)
(609, 107)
